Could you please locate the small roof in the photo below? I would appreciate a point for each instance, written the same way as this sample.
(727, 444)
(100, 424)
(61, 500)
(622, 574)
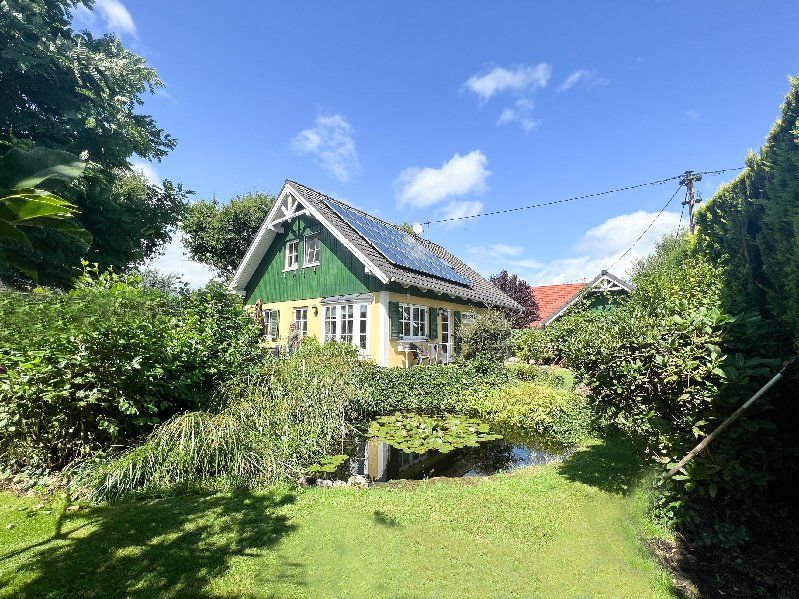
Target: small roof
(478, 291)
(553, 300)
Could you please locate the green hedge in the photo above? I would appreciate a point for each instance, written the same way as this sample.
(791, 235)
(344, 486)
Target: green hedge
(106, 362)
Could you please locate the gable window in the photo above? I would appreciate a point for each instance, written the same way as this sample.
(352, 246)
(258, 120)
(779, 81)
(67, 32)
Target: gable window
(292, 254)
(413, 322)
(312, 245)
(301, 320)
(347, 323)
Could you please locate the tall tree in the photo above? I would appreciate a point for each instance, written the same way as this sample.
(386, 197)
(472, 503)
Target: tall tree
(78, 93)
(219, 234)
(517, 289)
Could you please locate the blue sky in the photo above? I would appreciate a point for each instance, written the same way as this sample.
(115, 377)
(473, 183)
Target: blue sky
(416, 111)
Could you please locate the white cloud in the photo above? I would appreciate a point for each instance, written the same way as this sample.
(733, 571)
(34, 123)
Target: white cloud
(115, 15)
(174, 260)
(583, 75)
(507, 250)
(521, 114)
(498, 79)
(331, 142)
(459, 210)
(147, 170)
(599, 247)
(692, 115)
(459, 175)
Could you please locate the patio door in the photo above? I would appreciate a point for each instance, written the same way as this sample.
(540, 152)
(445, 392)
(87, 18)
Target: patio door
(446, 334)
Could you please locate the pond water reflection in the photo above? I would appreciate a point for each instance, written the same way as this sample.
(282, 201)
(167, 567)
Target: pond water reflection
(514, 450)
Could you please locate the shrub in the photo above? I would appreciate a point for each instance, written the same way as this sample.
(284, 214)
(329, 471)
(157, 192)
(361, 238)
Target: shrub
(560, 378)
(276, 423)
(486, 340)
(425, 390)
(532, 345)
(532, 407)
(104, 363)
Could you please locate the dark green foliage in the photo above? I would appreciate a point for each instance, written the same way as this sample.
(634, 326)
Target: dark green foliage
(77, 93)
(751, 227)
(669, 365)
(104, 363)
(219, 234)
(486, 340)
(424, 390)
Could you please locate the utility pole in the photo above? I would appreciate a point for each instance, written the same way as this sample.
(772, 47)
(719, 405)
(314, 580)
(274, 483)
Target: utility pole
(688, 178)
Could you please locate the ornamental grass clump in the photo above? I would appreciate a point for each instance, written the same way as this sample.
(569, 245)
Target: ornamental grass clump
(272, 427)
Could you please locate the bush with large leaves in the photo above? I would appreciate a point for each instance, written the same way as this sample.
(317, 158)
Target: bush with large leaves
(107, 361)
(24, 203)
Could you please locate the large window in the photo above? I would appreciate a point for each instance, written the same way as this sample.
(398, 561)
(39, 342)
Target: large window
(311, 250)
(413, 322)
(301, 320)
(292, 254)
(348, 323)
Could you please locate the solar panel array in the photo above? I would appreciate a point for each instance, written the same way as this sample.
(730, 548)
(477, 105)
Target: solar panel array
(398, 247)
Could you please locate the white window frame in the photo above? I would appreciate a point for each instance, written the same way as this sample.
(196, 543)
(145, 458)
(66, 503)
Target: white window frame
(359, 318)
(445, 322)
(306, 263)
(418, 324)
(294, 253)
(302, 322)
(267, 315)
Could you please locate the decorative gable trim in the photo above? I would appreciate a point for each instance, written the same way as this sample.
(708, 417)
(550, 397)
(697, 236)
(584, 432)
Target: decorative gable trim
(289, 205)
(603, 282)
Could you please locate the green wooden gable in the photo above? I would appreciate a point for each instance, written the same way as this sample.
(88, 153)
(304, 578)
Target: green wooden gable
(339, 271)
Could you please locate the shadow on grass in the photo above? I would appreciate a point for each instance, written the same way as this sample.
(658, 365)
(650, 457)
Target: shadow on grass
(160, 548)
(613, 464)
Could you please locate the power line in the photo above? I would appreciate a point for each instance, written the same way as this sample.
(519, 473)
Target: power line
(657, 216)
(582, 197)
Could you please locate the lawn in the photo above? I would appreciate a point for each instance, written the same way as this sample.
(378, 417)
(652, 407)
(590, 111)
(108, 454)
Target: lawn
(569, 530)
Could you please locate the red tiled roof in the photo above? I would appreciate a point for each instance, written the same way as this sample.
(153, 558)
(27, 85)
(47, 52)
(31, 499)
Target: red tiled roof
(551, 298)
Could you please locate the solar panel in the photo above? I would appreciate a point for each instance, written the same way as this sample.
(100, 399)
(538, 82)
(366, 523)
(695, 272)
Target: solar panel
(398, 247)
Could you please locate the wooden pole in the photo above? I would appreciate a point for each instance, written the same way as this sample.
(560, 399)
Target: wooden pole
(790, 364)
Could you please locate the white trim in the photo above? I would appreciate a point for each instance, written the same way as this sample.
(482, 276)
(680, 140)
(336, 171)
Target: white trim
(383, 329)
(344, 240)
(305, 264)
(266, 234)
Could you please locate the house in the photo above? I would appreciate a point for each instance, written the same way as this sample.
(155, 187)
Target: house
(555, 300)
(342, 274)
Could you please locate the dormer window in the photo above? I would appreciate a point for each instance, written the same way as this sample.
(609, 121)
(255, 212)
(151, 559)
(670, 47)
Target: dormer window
(292, 255)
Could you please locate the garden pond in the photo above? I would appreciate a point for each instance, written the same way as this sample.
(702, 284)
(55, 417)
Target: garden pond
(411, 446)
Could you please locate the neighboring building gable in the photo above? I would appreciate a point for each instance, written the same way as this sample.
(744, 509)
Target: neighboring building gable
(554, 300)
(551, 298)
(339, 272)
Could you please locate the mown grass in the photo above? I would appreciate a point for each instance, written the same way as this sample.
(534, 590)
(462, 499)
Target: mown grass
(570, 530)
